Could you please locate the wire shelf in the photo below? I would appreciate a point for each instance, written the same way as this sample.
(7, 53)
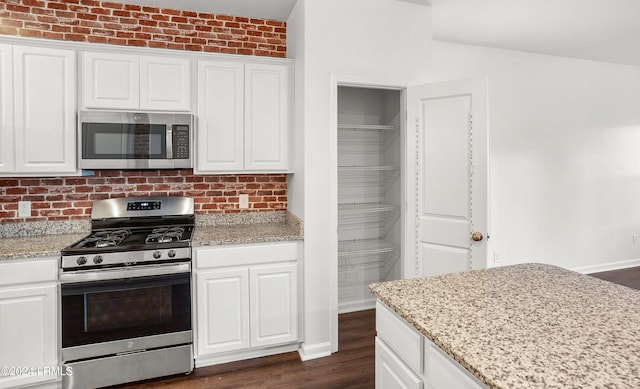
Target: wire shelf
(365, 127)
(361, 247)
(358, 209)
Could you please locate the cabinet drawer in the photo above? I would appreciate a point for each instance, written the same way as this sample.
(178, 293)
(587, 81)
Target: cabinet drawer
(391, 372)
(29, 271)
(245, 254)
(405, 342)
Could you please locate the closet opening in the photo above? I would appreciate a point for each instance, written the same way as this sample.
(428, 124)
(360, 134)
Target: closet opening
(370, 192)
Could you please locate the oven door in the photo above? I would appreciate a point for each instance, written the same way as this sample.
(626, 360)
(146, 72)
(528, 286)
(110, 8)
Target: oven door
(108, 312)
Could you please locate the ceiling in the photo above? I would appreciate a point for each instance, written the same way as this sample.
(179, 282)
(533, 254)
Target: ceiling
(601, 30)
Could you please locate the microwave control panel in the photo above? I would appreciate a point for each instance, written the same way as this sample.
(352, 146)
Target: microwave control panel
(181, 141)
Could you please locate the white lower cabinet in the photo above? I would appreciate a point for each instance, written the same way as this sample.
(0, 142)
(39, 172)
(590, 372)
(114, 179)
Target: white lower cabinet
(406, 359)
(246, 301)
(391, 372)
(28, 323)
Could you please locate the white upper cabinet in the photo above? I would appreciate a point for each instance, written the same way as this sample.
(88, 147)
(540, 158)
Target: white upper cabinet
(165, 83)
(38, 129)
(7, 160)
(124, 81)
(220, 137)
(266, 117)
(243, 117)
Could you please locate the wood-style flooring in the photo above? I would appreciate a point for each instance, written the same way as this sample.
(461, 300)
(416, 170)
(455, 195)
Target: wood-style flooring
(351, 367)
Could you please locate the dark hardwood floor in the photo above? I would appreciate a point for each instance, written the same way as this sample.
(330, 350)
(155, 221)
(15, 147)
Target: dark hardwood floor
(351, 367)
(628, 277)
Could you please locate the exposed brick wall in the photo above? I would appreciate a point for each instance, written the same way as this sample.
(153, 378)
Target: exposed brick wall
(65, 198)
(135, 25)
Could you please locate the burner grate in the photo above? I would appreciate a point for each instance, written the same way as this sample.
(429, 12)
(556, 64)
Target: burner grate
(105, 238)
(165, 235)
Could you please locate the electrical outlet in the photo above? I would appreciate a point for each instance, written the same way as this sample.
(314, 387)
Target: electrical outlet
(496, 257)
(24, 208)
(635, 238)
(244, 201)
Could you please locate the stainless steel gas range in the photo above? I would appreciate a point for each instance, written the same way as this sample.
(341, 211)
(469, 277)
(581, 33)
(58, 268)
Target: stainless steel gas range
(126, 293)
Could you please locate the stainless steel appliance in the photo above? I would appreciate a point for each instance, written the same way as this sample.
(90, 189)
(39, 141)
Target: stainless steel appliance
(126, 293)
(135, 140)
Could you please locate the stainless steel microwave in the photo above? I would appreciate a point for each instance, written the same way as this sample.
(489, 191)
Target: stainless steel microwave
(135, 140)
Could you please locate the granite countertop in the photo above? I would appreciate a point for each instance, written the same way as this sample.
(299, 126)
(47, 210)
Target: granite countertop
(36, 246)
(245, 233)
(32, 240)
(527, 326)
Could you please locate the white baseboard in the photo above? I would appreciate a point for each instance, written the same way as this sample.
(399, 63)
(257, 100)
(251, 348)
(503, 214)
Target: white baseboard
(232, 356)
(314, 351)
(361, 305)
(607, 266)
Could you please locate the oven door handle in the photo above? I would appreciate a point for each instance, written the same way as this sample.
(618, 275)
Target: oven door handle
(129, 272)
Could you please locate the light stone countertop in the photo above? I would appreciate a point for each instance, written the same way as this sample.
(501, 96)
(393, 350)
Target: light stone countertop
(45, 239)
(245, 233)
(527, 326)
(36, 246)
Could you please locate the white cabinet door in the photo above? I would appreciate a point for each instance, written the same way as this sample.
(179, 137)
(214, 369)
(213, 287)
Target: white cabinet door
(266, 117)
(391, 372)
(6, 110)
(220, 137)
(444, 372)
(222, 306)
(111, 80)
(274, 305)
(165, 83)
(45, 128)
(28, 332)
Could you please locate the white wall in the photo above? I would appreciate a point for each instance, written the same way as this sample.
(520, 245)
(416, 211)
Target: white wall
(380, 38)
(565, 155)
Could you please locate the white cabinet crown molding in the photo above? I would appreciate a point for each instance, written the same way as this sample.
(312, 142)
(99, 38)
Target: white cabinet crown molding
(136, 50)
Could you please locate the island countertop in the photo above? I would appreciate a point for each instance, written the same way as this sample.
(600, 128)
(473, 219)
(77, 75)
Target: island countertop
(527, 326)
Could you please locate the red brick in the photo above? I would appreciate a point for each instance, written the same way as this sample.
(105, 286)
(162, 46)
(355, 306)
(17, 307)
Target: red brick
(61, 29)
(74, 37)
(112, 5)
(170, 11)
(151, 10)
(48, 19)
(73, 211)
(132, 7)
(97, 39)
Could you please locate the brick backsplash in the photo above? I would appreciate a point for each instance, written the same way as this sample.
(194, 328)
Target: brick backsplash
(143, 26)
(66, 198)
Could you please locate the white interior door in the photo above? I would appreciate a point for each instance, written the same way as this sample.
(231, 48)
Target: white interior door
(450, 121)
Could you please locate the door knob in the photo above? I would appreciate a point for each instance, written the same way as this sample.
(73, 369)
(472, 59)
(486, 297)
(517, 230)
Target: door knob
(476, 236)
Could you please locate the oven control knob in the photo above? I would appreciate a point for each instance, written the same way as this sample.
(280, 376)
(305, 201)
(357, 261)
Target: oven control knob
(97, 259)
(157, 254)
(171, 253)
(81, 261)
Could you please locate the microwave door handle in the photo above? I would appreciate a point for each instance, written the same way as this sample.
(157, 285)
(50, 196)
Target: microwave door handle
(169, 141)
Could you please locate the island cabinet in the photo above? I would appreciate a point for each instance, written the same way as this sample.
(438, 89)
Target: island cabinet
(135, 82)
(243, 116)
(28, 323)
(246, 301)
(407, 359)
(37, 111)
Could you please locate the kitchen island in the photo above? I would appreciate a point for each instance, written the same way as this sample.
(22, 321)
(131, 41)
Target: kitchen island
(522, 326)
